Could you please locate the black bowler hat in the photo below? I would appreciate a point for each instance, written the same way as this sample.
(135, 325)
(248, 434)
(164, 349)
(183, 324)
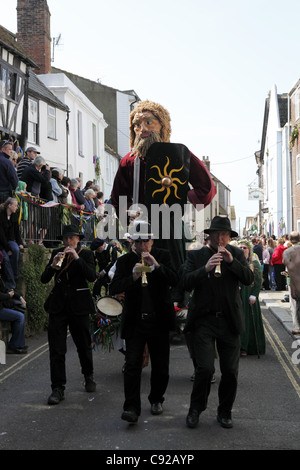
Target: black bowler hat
(142, 232)
(70, 231)
(220, 223)
(96, 243)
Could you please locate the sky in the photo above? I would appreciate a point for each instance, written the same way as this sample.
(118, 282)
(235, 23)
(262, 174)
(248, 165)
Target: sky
(210, 64)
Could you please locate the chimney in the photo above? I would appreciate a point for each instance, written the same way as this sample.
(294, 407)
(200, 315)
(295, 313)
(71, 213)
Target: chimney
(34, 32)
(206, 162)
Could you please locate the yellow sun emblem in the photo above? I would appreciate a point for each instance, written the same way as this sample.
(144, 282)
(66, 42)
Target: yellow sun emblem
(166, 180)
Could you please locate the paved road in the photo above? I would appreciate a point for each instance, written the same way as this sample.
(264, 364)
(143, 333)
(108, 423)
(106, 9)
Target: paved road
(266, 412)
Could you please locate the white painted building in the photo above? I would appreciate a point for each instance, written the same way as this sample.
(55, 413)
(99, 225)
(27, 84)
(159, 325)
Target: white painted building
(124, 100)
(47, 123)
(276, 169)
(86, 125)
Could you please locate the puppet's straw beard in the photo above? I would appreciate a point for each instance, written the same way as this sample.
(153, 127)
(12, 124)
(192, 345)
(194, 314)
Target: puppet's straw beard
(141, 146)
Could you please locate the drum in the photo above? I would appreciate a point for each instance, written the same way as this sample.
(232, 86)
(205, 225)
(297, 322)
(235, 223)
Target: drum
(106, 323)
(110, 307)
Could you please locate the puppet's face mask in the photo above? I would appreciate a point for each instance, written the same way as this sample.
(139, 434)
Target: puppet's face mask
(145, 123)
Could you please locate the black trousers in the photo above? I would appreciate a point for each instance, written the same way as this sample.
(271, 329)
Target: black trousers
(79, 326)
(279, 278)
(266, 284)
(211, 332)
(159, 351)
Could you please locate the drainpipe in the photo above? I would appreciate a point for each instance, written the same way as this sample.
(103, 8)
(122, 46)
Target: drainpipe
(67, 141)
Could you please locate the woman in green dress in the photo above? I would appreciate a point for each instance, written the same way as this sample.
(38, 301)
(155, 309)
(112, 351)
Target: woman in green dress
(253, 339)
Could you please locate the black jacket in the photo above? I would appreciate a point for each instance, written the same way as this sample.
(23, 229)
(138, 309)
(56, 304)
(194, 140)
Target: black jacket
(216, 294)
(8, 175)
(9, 230)
(106, 258)
(159, 283)
(34, 178)
(71, 291)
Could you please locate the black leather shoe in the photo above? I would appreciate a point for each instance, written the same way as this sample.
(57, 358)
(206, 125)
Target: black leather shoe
(16, 351)
(130, 416)
(90, 385)
(56, 396)
(156, 409)
(192, 419)
(225, 422)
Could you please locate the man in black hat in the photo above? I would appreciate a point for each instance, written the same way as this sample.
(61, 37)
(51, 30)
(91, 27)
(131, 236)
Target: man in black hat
(147, 318)
(106, 255)
(215, 317)
(69, 305)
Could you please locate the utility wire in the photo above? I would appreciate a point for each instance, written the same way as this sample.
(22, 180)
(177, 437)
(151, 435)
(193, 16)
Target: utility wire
(232, 161)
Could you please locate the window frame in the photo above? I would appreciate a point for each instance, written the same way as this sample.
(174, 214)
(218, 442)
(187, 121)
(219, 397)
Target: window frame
(51, 122)
(33, 137)
(298, 168)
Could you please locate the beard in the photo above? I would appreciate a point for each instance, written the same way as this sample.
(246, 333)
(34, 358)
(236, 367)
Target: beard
(141, 146)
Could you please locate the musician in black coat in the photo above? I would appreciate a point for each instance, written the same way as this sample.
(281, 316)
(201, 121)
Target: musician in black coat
(215, 317)
(147, 318)
(69, 305)
(106, 254)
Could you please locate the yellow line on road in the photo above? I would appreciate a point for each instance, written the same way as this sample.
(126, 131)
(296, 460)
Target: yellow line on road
(281, 351)
(23, 362)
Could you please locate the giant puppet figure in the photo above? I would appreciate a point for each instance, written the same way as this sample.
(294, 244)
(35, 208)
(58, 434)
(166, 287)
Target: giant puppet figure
(156, 172)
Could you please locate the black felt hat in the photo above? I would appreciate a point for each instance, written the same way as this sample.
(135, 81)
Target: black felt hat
(220, 223)
(69, 231)
(96, 243)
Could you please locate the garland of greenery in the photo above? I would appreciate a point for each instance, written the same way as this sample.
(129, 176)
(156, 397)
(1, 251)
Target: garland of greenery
(294, 136)
(96, 161)
(36, 292)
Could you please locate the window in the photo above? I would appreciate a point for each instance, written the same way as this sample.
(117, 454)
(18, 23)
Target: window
(297, 106)
(32, 121)
(8, 84)
(51, 122)
(11, 85)
(298, 169)
(94, 132)
(79, 126)
(107, 169)
(3, 82)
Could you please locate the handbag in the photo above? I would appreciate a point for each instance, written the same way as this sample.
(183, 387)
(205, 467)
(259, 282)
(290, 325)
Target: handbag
(14, 304)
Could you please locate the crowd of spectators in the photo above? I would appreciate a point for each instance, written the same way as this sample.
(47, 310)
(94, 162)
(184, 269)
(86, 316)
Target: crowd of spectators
(30, 174)
(269, 252)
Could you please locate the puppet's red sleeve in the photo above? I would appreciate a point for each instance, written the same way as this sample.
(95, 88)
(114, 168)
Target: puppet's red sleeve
(204, 189)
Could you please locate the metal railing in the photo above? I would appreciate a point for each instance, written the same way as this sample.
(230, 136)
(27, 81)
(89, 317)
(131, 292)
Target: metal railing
(41, 221)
